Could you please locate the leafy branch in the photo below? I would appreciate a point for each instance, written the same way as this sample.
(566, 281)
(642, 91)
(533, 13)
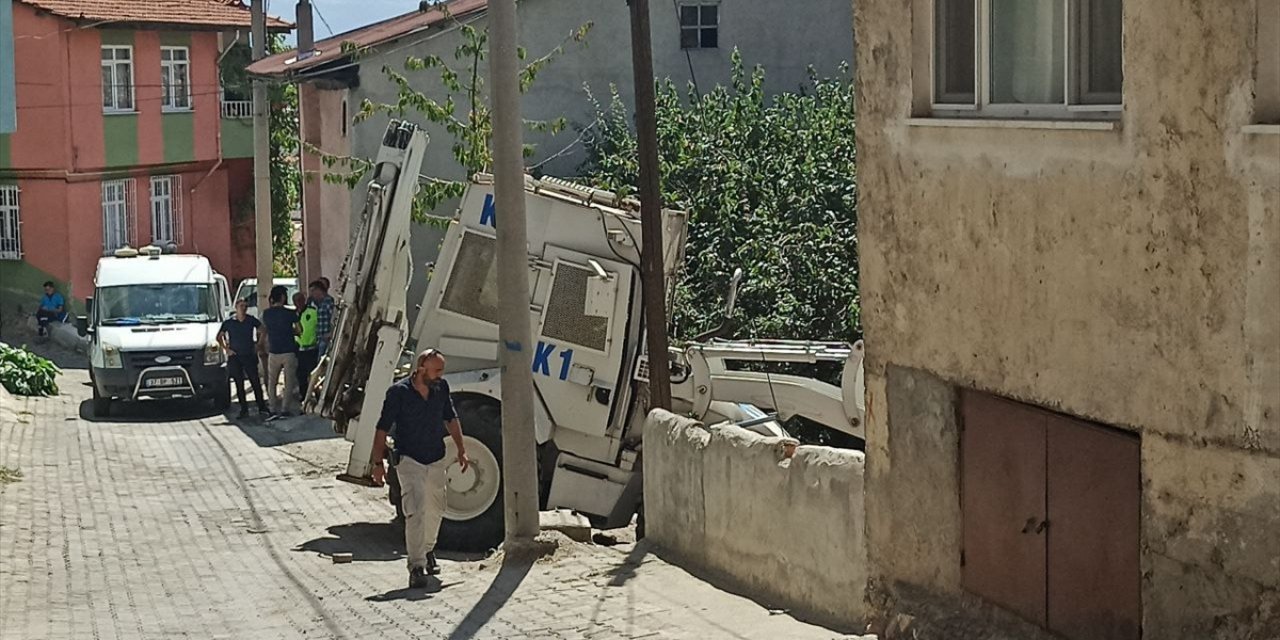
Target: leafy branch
(461, 109)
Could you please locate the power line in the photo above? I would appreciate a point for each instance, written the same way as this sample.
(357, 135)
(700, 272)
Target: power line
(316, 5)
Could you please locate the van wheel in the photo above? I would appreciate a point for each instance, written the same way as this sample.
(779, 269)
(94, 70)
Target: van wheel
(101, 404)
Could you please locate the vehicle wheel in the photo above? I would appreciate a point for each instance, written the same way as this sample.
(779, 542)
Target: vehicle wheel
(101, 404)
(473, 515)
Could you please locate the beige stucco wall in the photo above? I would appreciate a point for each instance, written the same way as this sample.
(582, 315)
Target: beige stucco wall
(1129, 276)
(326, 207)
(788, 530)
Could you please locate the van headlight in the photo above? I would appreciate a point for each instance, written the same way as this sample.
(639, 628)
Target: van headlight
(111, 357)
(213, 355)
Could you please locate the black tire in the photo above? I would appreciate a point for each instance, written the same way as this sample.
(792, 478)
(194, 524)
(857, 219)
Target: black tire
(481, 419)
(101, 404)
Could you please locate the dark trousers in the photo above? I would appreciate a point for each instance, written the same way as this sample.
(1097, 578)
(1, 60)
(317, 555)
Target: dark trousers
(307, 360)
(44, 317)
(242, 366)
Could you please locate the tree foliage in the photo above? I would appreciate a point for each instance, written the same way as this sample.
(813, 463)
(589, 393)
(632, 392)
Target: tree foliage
(461, 108)
(769, 187)
(286, 176)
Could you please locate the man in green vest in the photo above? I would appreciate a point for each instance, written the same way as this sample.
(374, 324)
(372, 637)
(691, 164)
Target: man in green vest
(308, 355)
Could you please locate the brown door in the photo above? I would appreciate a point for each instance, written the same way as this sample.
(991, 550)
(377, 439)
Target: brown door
(1003, 501)
(1093, 499)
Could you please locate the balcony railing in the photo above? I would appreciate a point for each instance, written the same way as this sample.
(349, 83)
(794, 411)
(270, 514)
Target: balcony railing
(237, 109)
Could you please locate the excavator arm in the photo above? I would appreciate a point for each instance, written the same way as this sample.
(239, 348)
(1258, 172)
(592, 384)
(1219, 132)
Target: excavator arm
(370, 323)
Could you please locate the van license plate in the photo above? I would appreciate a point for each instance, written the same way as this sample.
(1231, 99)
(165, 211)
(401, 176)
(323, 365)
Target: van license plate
(165, 382)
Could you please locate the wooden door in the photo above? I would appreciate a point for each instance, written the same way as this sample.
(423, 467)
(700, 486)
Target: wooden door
(1003, 449)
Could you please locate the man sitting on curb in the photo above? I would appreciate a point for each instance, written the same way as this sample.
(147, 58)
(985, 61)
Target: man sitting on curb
(53, 307)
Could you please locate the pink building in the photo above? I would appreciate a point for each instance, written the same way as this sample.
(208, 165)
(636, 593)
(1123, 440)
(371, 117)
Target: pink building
(122, 139)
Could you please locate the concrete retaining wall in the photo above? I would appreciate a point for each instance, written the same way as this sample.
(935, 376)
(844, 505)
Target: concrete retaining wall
(728, 501)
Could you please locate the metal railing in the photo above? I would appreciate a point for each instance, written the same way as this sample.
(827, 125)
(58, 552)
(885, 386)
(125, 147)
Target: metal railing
(237, 109)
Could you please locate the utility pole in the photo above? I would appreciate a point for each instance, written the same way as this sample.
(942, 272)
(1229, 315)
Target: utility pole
(519, 449)
(652, 271)
(261, 161)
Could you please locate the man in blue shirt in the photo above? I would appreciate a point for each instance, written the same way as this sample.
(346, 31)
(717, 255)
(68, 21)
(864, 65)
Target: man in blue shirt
(240, 336)
(52, 307)
(282, 353)
(421, 412)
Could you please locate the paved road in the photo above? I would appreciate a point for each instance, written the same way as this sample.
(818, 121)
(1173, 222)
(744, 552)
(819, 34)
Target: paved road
(171, 522)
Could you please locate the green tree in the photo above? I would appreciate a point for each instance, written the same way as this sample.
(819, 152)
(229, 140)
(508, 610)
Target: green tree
(460, 106)
(770, 187)
(286, 185)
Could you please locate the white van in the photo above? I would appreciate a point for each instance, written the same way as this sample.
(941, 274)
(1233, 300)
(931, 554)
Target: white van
(153, 323)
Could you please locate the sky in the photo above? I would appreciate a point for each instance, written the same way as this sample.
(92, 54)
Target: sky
(332, 17)
(341, 15)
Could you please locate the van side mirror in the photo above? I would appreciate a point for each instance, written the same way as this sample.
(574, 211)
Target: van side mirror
(88, 306)
(82, 326)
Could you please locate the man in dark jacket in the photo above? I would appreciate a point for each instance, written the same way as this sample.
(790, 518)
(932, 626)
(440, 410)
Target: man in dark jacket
(421, 411)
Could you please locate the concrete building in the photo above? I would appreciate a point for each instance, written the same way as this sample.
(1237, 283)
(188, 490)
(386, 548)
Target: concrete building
(1071, 291)
(692, 43)
(123, 139)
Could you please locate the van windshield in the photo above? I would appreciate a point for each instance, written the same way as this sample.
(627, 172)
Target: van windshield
(156, 304)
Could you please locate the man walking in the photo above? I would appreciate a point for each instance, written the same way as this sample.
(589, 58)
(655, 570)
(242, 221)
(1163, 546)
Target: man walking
(282, 353)
(421, 412)
(238, 340)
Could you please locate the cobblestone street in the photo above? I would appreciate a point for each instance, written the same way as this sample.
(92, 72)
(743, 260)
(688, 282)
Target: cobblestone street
(168, 521)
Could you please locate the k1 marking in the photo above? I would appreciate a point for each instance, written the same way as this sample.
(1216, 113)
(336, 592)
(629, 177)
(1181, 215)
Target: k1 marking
(542, 360)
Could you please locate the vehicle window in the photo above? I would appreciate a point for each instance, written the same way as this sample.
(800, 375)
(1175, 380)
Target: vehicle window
(157, 304)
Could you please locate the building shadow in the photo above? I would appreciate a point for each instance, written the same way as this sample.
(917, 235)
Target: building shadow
(504, 585)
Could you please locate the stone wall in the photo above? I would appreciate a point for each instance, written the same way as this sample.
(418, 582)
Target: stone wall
(1125, 274)
(730, 502)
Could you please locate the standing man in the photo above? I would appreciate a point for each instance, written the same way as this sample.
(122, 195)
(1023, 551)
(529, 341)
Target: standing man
(420, 410)
(52, 307)
(282, 353)
(323, 303)
(239, 337)
(308, 356)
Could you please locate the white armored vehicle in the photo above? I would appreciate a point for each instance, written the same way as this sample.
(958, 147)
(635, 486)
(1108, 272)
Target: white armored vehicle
(590, 368)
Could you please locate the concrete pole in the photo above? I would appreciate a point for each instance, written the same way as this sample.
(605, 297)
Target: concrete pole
(261, 162)
(309, 258)
(651, 268)
(519, 449)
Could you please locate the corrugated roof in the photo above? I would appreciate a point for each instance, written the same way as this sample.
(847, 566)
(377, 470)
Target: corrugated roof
(330, 49)
(196, 13)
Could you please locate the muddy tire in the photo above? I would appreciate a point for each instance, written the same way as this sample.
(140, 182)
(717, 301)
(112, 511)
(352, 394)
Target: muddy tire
(474, 517)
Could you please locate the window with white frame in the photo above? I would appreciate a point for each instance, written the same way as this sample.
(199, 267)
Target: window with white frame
(10, 223)
(117, 78)
(117, 214)
(1027, 58)
(1267, 71)
(699, 25)
(166, 209)
(175, 78)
